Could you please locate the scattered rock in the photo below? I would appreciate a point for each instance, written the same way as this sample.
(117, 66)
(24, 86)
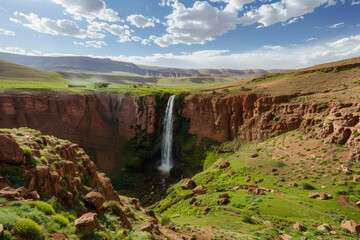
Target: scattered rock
(224, 195)
(345, 168)
(206, 211)
(292, 184)
(358, 203)
(95, 199)
(136, 203)
(305, 177)
(149, 213)
(9, 192)
(321, 196)
(208, 180)
(274, 170)
(200, 190)
(323, 187)
(298, 226)
(256, 191)
(231, 173)
(87, 222)
(152, 220)
(10, 150)
(147, 227)
(333, 232)
(356, 178)
(188, 184)
(1, 230)
(224, 165)
(324, 227)
(59, 236)
(236, 188)
(192, 201)
(248, 179)
(269, 224)
(350, 225)
(254, 155)
(223, 201)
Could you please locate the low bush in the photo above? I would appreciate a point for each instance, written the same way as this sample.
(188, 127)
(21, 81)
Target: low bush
(307, 186)
(27, 152)
(165, 220)
(43, 207)
(28, 229)
(60, 219)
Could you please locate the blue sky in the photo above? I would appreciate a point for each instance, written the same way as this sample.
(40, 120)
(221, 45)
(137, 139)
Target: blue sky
(237, 34)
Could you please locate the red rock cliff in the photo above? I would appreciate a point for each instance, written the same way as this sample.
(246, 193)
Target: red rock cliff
(101, 123)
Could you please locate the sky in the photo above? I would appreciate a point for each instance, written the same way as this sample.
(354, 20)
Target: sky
(237, 34)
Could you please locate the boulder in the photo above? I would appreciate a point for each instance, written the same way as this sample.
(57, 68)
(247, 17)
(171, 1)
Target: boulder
(149, 213)
(1, 230)
(147, 227)
(224, 165)
(321, 196)
(298, 226)
(358, 203)
(200, 190)
(10, 150)
(9, 192)
(292, 184)
(206, 211)
(24, 193)
(324, 227)
(224, 195)
(256, 191)
(87, 222)
(223, 201)
(95, 199)
(152, 220)
(274, 170)
(350, 225)
(356, 178)
(254, 155)
(248, 179)
(188, 184)
(136, 203)
(231, 173)
(236, 188)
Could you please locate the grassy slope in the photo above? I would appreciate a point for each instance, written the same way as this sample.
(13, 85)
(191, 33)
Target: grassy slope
(295, 156)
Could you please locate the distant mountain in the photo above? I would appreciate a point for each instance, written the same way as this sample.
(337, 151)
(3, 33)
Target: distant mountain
(91, 65)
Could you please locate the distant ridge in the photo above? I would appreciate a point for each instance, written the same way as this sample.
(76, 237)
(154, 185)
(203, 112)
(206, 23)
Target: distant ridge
(91, 65)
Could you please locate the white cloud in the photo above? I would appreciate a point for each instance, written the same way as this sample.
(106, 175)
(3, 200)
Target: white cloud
(268, 14)
(95, 44)
(121, 31)
(15, 50)
(311, 39)
(14, 20)
(140, 21)
(195, 25)
(337, 25)
(355, 2)
(273, 47)
(6, 32)
(57, 27)
(284, 58)
(89, 9)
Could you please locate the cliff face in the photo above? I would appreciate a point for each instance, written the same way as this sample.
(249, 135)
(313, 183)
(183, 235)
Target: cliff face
(100, 123)
(256, 117)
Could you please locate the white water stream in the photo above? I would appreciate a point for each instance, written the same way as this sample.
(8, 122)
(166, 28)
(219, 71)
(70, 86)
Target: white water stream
(166, 147)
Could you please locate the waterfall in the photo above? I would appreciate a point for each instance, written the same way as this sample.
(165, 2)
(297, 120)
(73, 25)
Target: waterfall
(166, 147)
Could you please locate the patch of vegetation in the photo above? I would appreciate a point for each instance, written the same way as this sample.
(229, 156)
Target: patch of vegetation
(43, 207)
(27, 228)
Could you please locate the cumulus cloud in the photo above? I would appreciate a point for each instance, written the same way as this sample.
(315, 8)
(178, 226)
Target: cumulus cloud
(196, 24)
(15, 50)
(141, 21)
(273, 47)
(202, 22)
(355, 2)
(121, 31)
(14, 20)
(88, 9)
(337, 25)
(57, 27)
(268, 14)
(285, 57)
(95, 44)
(6, 32)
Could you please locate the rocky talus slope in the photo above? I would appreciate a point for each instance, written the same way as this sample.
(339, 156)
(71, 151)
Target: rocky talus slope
(54, 183)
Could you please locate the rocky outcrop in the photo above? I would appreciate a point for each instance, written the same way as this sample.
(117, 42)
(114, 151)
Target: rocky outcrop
(95, 199)
(87, 222)
(102, 123)
(352, 226)
(188, 184)
(321, 196)
(10, 150)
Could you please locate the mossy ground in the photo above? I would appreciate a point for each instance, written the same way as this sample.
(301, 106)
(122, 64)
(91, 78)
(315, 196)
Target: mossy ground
(295, 157)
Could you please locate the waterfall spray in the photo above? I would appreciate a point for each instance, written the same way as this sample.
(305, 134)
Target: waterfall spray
(166, 147)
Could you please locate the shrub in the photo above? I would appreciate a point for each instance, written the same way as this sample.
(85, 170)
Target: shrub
(60, 219)
(101, 85)
(28, 229)
(307, 186)
(27, 152)
(43, 207)
(8, 219)
(356, 134)
(2, 201)
(39, 140)
(247, 219)
(44, 160)
(6, 235)
(165, 220)
(19, 134)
